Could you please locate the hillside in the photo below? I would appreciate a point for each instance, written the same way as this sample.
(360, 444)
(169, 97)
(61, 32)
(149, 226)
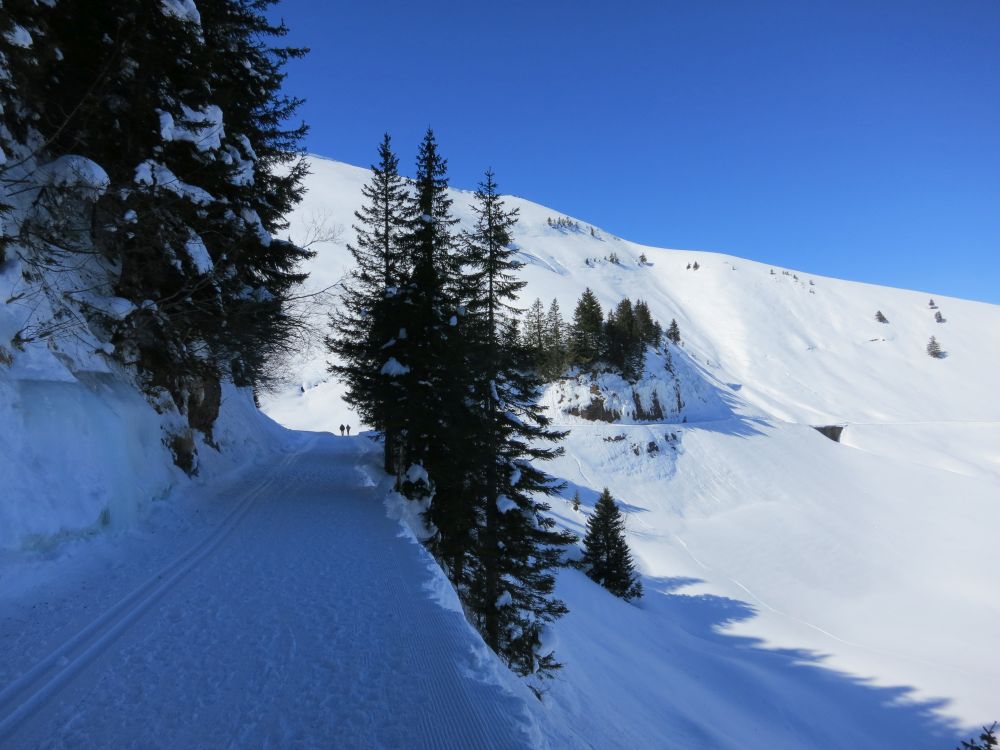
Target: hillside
(789, 579)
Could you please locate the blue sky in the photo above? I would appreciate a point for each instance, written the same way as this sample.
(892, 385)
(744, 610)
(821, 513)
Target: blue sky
(855, 139)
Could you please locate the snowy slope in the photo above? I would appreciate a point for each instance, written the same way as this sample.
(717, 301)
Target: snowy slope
(788, 577)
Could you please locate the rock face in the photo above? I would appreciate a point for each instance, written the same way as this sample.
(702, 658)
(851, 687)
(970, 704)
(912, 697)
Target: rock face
(595, 411)
(832, 431)
(670, 389)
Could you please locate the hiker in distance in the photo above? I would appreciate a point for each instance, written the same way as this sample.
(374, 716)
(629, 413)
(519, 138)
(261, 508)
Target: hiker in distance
(342, 430)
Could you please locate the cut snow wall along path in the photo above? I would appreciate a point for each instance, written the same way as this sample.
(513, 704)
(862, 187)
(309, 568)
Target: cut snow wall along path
(307, 620)
(75, 455)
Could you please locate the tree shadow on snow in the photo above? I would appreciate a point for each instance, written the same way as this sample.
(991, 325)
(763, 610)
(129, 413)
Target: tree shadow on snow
(791, 691)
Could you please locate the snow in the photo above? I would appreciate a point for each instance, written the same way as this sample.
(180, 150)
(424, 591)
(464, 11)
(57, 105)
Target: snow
(198, 253)
(505, 504)
(154, 174)
(787, 577)
(394, 368)
(116, 308)
(201, 127)
(77, 172)
(296, 611)
(182, 9)
(18, 36)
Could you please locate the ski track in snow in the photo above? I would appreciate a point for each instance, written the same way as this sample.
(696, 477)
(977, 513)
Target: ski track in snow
(301, 621)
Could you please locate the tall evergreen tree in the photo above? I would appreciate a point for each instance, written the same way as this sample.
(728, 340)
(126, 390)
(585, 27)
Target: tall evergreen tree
(517, 544)
(648, 330)
(367, 318)
(587, 331)
(425, 375)
(555, 343)
(533, 333)
(623, 346)
(606, 558)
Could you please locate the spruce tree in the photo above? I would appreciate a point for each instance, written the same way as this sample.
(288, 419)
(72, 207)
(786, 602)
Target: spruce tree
(533, 333)
(648, 330)
(555, 343)
(987, 740)
(420, 367)
(673, 332)
(587, 331)
(934, 348)
(623, 345)
(367, 318)
(880, 317)
(606, 558)
(517, 545)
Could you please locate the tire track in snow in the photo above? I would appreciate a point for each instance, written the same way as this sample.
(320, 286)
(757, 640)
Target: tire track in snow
(29, 692)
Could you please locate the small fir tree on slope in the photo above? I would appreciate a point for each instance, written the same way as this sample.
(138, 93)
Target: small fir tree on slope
(674, 332)
(606, 558)
(934, 348)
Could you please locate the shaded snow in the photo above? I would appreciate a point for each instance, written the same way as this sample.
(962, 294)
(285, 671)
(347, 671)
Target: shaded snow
(198, 253)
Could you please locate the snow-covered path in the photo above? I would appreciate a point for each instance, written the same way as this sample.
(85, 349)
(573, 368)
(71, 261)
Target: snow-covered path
(303, 618)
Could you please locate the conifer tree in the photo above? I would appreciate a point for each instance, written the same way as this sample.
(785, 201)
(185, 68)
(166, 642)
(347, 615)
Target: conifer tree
(367, 318)
(673, 332)
(880, 317)
(517, 545)
(533, 333)
(934, 348)
(623, 345)
(420, 367)
(987, 740)
(555, 342)
(587, 331)
(648, 330)
(606, 558)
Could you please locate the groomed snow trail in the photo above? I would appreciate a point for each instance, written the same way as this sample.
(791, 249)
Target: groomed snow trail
(304, 619)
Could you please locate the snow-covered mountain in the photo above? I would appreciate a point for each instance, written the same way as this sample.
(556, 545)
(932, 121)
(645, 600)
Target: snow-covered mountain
(799, 592)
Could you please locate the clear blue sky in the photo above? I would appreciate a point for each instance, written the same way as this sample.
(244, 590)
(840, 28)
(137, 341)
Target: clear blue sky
(851, 138)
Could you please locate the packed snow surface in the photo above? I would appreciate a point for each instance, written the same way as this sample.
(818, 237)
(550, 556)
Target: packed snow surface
(799, 592)
(278, 608)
